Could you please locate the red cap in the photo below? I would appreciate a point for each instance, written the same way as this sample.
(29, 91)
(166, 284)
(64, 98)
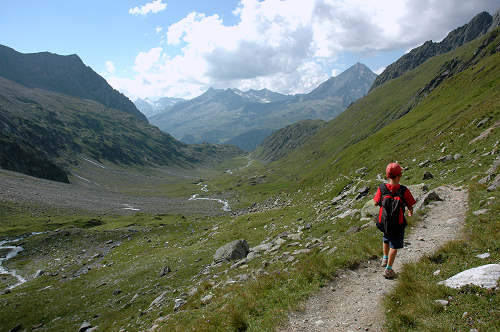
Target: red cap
(392, 170)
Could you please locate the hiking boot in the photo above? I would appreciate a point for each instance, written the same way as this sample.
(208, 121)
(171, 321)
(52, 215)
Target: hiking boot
(389, 274)
(384, 262)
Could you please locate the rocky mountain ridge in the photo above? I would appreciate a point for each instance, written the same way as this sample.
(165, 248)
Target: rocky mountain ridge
(478, 26)
(64, 74)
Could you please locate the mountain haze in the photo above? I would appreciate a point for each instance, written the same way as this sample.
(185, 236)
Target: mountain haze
(220, 115)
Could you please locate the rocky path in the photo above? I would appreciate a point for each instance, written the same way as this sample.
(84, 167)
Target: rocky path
(353, 302)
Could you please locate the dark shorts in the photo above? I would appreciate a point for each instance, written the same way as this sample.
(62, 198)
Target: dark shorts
(395, 241)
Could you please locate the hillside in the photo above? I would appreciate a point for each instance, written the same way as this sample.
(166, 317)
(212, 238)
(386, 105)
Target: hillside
(41, 129)
(478, 26)
(220, 115)
(64, 74)
(285, 140)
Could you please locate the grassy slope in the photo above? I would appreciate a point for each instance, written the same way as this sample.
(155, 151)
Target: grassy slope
(446, 118)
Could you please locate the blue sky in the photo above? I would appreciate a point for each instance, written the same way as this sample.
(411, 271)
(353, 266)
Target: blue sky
(156, 48)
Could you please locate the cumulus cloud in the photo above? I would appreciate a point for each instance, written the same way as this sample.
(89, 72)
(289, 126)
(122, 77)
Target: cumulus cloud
(287, 46)
(159, 29)
(110, 67)
(151, 7)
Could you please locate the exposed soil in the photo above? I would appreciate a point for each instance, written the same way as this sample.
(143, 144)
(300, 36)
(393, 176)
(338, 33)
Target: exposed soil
(353, 301)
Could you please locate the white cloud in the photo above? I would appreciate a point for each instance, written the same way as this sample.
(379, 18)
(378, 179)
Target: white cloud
(151, 7)
(110, 67)
(287, 46)
(379, 70)
(335, 72)
(159, 29)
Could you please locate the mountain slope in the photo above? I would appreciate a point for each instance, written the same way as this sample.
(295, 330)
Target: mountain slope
(48, 128)
(219, 115)
(287, 139)
(64, 74)
(478, 26)
(395, 99)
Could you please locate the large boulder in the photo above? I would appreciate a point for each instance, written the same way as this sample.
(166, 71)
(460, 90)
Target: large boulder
(484, 276)
(237, 249)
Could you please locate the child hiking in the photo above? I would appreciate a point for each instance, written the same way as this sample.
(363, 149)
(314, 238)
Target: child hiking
(392, 198)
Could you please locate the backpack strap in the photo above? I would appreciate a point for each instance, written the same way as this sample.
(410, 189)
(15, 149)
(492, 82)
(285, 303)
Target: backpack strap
(401, 193)
(383, 192)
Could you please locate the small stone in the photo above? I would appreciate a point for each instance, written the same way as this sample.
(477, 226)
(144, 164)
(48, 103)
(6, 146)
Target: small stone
(109, 242)
(39, 273)
(206, 299)
(473, 330)
(437, 272)
(117, 292)
(178, 303)
(424, 163)
(465, 314)
(457, 156)
(480, 212)
(84, 327)
(165, 270)
(319, 322)
(295, 237)
(445, 158)
(483, 256)
(444, 303)
(428, 175)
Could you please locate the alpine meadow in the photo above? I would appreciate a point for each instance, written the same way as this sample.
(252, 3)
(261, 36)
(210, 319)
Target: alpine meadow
(228, 194)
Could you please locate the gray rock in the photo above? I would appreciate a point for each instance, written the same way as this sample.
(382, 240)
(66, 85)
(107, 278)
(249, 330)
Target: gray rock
(363, 192)
(301, 251)
(156, 302)
(252, 255)
(484, 276)
(347, 213)
(206, 299)
(457, 156)
(445, 158)
(424, 163)
(117, 292)
(486, 179)
(261, 247)
(480, 212)
(237, 249)
(426, 199)
(165, 270)
(295, 237)
(444, 303)
(483, 122)
(84, 327)
(369, 210)
(495, 184)
(483, 256)
(279, 241)
(353, 229)
(337, 199)
(39, 273)
(428, 175)
(178, 303)
(494, 166)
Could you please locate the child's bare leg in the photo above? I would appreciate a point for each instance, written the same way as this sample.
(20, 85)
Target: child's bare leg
(392, 256)
(385, 248)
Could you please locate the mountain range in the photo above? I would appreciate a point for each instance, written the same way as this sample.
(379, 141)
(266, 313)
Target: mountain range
(54, 111)
(221, 115)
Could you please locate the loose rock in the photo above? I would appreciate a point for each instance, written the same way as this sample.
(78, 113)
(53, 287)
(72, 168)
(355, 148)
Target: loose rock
(484, 276)
(428, 175)
(237, 249)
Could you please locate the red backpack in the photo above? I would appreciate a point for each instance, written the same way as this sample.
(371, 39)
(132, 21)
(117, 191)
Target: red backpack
(392, 207)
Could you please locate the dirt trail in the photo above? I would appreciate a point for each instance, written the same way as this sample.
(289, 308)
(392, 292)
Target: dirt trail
(353, 302)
